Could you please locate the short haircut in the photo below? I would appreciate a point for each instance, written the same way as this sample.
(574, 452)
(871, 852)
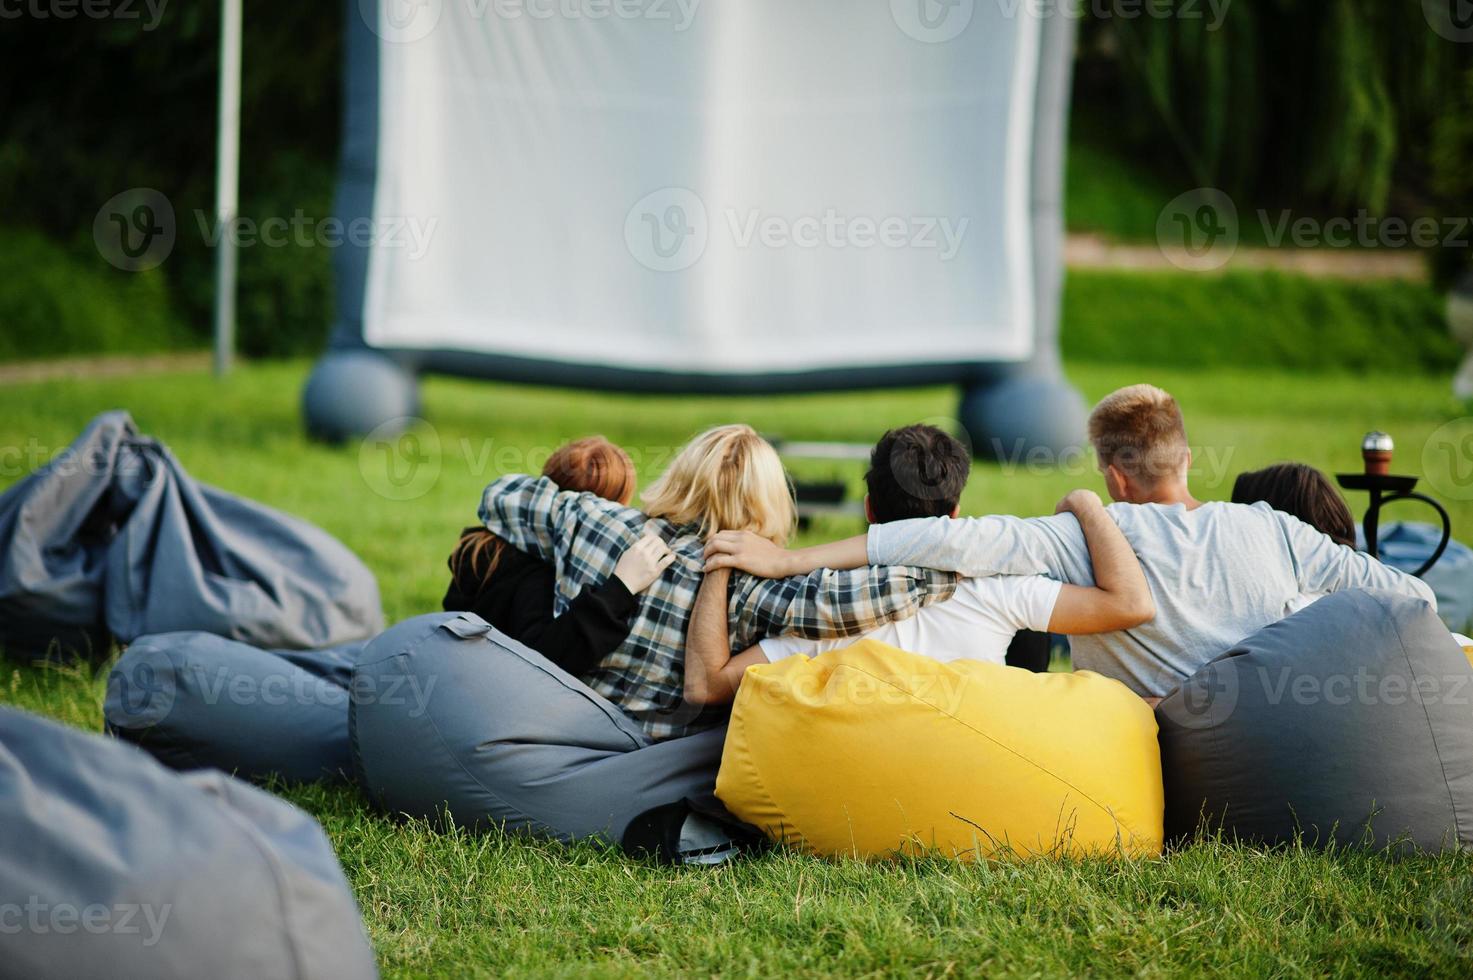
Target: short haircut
(1302, 491)
(917, 471)
(1140, 431)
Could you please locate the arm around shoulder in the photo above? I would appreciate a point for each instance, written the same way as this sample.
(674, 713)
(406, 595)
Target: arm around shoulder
(981, 546)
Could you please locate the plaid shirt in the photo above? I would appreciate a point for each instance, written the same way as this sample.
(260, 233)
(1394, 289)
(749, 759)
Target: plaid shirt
(584, 535)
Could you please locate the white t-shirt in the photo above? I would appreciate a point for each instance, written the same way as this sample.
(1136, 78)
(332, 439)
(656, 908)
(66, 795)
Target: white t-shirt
(977, 623)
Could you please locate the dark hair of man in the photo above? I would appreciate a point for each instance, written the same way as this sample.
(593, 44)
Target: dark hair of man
(917, 471)
(1302, 491)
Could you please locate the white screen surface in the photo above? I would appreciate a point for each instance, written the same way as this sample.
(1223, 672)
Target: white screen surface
(761, 186)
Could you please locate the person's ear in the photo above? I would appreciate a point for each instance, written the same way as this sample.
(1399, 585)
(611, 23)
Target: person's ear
(869, 510)
(1117, 483)
(1187, 466)
(956, 511)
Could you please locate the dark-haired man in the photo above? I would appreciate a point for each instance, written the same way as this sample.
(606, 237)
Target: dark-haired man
(915, 472)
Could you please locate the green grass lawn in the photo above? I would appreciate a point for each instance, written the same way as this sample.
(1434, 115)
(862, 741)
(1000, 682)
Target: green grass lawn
(455, 905)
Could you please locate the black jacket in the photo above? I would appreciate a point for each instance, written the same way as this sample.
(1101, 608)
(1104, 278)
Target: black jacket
(518, 601)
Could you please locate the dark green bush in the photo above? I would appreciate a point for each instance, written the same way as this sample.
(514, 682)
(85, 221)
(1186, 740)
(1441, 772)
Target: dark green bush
(55, 302)
(89, 108)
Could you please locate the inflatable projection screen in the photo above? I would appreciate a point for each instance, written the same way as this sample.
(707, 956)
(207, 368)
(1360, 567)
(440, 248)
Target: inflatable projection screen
(687, 196)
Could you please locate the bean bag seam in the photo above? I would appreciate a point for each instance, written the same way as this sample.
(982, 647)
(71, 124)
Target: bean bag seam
(160, 736)
(749, 759)
(1053, 775)
(607, 708)
(1431, 730)
(273, 864)
(461, 765)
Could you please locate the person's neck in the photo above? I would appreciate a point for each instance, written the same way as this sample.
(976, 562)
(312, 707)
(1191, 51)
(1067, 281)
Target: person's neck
(1172, 494)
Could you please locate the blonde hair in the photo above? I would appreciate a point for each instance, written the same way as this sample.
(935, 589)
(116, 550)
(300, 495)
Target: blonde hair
(726, 479)
(1140, 430)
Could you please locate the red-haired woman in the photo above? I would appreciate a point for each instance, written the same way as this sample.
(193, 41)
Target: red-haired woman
(513, 590)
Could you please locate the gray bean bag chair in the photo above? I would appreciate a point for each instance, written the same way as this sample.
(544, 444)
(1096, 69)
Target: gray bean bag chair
(114, 537)
(195, 700)
(1350, 722)
(113, 866)
(450, 715)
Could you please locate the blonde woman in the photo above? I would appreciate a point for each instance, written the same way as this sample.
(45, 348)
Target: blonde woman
(726, 479)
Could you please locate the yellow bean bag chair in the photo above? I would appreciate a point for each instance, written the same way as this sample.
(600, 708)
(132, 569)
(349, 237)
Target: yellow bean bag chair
(872, 751)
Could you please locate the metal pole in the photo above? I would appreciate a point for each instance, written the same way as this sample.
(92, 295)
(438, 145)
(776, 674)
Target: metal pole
(227, 183)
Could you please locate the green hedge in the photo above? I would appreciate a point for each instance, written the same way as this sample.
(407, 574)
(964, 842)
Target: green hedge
(1255, 319)
(55, 302)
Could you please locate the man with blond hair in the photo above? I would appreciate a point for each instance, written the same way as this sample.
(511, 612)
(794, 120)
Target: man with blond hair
(1218, 572)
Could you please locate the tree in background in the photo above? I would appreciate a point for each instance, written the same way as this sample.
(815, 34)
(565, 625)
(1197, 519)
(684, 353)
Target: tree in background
(1316, 102)
(89, 108)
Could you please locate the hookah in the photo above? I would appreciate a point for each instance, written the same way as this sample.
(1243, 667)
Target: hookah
(1384, 488)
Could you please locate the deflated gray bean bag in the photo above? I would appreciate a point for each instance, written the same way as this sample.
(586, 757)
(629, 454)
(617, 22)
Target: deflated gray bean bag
(195, 700)
(113, 866)
(114, 536)
(1351, 721)
(450, 714)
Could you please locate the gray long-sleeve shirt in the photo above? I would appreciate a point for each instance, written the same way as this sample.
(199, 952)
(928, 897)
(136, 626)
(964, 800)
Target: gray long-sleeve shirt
(1218, 574)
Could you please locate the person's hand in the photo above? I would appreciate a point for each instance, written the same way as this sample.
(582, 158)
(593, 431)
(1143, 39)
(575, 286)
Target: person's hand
(643, 562)
(748, 552)
(1077, 502)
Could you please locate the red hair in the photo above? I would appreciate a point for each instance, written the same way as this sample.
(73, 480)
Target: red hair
(592, 465)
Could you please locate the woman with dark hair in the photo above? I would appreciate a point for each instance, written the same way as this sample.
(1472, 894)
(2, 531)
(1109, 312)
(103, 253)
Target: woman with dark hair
(514, 591)
(1303, 492)
(1306, 493)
